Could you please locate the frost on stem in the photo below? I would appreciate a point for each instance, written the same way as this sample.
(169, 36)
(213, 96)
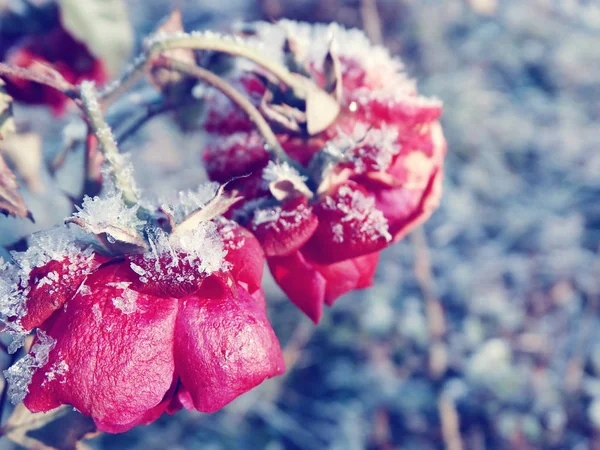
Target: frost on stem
(118, 165)
(19, 375)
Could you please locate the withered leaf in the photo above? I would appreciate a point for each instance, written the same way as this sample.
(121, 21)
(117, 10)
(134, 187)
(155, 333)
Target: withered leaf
(333, 74)
(321, 109)
(7, 122)
(216, 206)
(165, 79)
(24, 152)
(11, 202)
(61, 428)
(116, 240)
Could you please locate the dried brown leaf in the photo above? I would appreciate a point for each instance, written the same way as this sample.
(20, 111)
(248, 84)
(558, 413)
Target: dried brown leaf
(61, 428)
(216, 206)
(7, 122)
(11, 202)
(116, 240)
(166, 79)
(24, 152)
(333, 74)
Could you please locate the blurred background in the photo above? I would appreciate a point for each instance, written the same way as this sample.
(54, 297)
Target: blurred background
(482, 330)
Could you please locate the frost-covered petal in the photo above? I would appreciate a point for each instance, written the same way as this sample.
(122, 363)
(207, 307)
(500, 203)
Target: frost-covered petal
(283, 229)
(53, 284)
(244, 254)
(224, 346)
(113, 356)
(350, 225)
(301, 282)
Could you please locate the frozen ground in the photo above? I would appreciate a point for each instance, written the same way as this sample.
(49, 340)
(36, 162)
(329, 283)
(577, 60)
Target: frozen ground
(483, 331)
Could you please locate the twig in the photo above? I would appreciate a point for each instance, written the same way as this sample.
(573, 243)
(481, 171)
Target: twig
(272, 144)
(108, 145)
(151, 111)
(450, 423)
(230, 46)
(433, 309)
(113, 90)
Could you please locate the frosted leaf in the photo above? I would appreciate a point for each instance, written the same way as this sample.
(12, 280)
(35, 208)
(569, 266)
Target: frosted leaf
(359, 210)
(189, 201)
(282, 179)
(19, 375)
(108, 211)
(283, 171)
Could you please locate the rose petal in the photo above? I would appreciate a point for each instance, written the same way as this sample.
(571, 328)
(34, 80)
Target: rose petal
(113, 358)
(224, 346)
(348, 275)
(282, 230)
(244, 253)
(53, 284)
(350, 225)
(301, 282)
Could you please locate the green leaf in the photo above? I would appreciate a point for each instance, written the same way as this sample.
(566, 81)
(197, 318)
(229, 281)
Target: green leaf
(103, 26)
(7, 122)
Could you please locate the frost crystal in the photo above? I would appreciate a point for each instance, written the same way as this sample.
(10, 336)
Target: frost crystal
(57, 370)
(201, 248)
(190, 201)
(19, 375)
(278, 219)
(359, 211)
(126, 302)
(378, 145)
(109, 210)
(276, 172)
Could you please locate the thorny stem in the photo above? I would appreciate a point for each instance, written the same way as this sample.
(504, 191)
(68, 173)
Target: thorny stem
(272, 144)
(108, 145)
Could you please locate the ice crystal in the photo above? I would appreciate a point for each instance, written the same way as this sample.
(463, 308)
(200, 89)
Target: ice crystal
(108, 210)
(19, 375)
(359, 212)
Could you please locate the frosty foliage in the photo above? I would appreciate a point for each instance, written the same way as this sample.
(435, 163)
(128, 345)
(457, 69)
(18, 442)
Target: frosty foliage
(190, 200)
(19, 375)
(109, 210)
